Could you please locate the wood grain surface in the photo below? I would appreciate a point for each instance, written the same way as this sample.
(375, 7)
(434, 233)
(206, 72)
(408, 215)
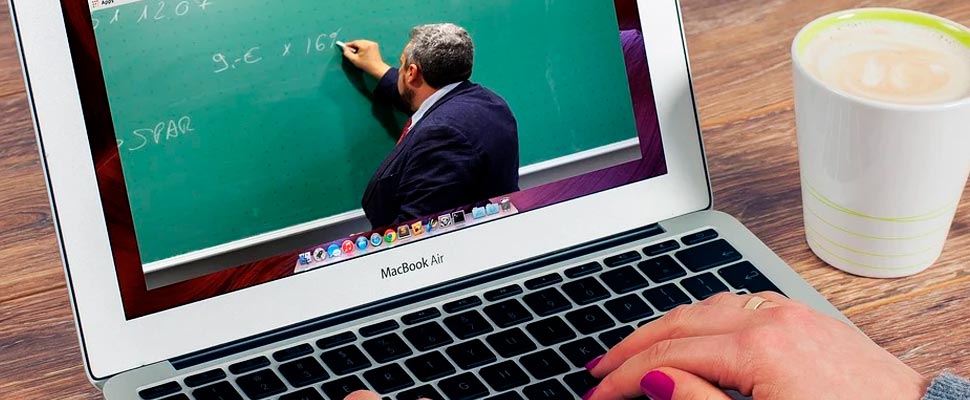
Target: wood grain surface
(740, 59)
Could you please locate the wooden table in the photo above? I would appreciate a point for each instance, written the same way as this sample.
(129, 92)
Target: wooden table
(739, 52)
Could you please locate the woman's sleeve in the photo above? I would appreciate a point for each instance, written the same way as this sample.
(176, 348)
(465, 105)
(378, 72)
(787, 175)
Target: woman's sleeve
(948, 387)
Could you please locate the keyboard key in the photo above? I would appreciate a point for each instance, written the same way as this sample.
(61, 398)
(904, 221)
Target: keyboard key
(506, 396)
(507, 313)
(461, 305)
(504, 376)
(305, 394)
(647, 321)
(613, 337)
(544, 364)
(589, 320)
(345, 360)
(703, 286)
(548, 390)
(661, 269)
(217, 391)
(585, 291)
(628, 308)
(342, 387)
(666, 297)
(547, 302)
(580, 382)
(428, 336)
(471, 354)
(379, 328)
(431, 366)
(624, 280)
(292, 352)
(502, 293)
(303, 372)
(204, 378)
(583, 270)
(511, 343)
(582, 351)
(420, 392)
(543, 281)
(386, 348)
(550, 331)
(745, 276)
(660, 248)
(389, 378)
(249, 365)
(699, 237)
(260, 385)
(420, 316)
(621, 259)
(708, 255)
(180, 396)
(336, 340)
(463, 387)
(159, 391)
(468, 324)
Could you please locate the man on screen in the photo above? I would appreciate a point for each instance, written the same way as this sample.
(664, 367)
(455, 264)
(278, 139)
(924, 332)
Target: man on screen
(460, 145)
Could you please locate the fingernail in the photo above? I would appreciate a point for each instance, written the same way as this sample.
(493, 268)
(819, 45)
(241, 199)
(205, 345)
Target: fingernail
(589, 394)
(657, 385)
(592, 364)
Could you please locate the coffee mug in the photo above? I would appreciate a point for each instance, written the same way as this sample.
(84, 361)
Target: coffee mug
(882, 103)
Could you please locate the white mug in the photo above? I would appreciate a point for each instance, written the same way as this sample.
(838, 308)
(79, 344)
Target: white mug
(881, 182)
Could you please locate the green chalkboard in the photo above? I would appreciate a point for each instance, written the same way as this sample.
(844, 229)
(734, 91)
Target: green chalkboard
(240, 117)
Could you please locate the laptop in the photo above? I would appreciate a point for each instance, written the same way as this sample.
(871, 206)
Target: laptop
(209, 256)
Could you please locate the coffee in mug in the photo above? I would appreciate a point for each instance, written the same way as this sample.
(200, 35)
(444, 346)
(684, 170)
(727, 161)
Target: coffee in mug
(891, 61)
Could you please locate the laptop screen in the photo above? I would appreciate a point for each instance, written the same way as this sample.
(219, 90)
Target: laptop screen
(237, 143)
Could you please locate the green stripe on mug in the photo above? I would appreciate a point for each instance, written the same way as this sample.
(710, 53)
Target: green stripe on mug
(933, 231)
(937, 212)
(957, 32)
(857, 264)
(864, 252)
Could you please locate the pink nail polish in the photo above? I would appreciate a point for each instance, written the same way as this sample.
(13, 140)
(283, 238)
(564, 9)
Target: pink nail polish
(657, 385)
(592, 364)
(589, 394)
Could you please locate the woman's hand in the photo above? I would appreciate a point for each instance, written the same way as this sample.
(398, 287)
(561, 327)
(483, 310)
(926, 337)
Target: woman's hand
(779, 350)
(365, 395)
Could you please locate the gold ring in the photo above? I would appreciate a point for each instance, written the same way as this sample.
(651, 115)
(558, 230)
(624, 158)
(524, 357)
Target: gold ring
(754, 303)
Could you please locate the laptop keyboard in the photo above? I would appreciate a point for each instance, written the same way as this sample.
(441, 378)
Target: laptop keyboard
(520, 341)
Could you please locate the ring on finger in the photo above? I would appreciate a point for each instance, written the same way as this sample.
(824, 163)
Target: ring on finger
(754, 302)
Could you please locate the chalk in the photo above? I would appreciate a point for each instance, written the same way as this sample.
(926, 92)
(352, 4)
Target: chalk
(344, 46)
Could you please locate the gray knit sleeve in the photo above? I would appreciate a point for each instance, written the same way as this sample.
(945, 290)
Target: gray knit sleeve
(948, 387)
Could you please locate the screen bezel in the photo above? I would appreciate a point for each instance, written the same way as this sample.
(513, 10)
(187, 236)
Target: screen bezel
(112, 344)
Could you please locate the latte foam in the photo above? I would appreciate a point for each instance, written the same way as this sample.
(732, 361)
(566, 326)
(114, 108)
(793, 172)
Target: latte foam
(890, 61)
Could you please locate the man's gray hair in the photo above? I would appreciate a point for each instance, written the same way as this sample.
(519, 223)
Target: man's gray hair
(444, 53)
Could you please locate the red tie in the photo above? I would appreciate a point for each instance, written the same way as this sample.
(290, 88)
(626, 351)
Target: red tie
(407, 127)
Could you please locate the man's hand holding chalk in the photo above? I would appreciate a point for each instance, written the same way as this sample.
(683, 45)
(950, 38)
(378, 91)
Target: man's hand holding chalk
(366, 55)
(344, 47)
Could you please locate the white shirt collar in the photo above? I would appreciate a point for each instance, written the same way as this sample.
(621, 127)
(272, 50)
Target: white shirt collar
(430, 101)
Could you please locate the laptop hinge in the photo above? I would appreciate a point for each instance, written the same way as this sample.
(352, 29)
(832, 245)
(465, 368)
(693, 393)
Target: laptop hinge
(318, 324)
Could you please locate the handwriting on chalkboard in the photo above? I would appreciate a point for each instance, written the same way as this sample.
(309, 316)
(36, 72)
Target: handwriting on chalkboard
(153, 11)
(313, 44)
(162, 132)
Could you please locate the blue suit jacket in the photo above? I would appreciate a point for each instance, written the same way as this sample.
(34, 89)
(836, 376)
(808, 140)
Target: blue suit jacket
(464, 150)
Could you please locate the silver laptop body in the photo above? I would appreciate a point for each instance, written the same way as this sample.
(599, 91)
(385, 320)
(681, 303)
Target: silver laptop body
(518, 322)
